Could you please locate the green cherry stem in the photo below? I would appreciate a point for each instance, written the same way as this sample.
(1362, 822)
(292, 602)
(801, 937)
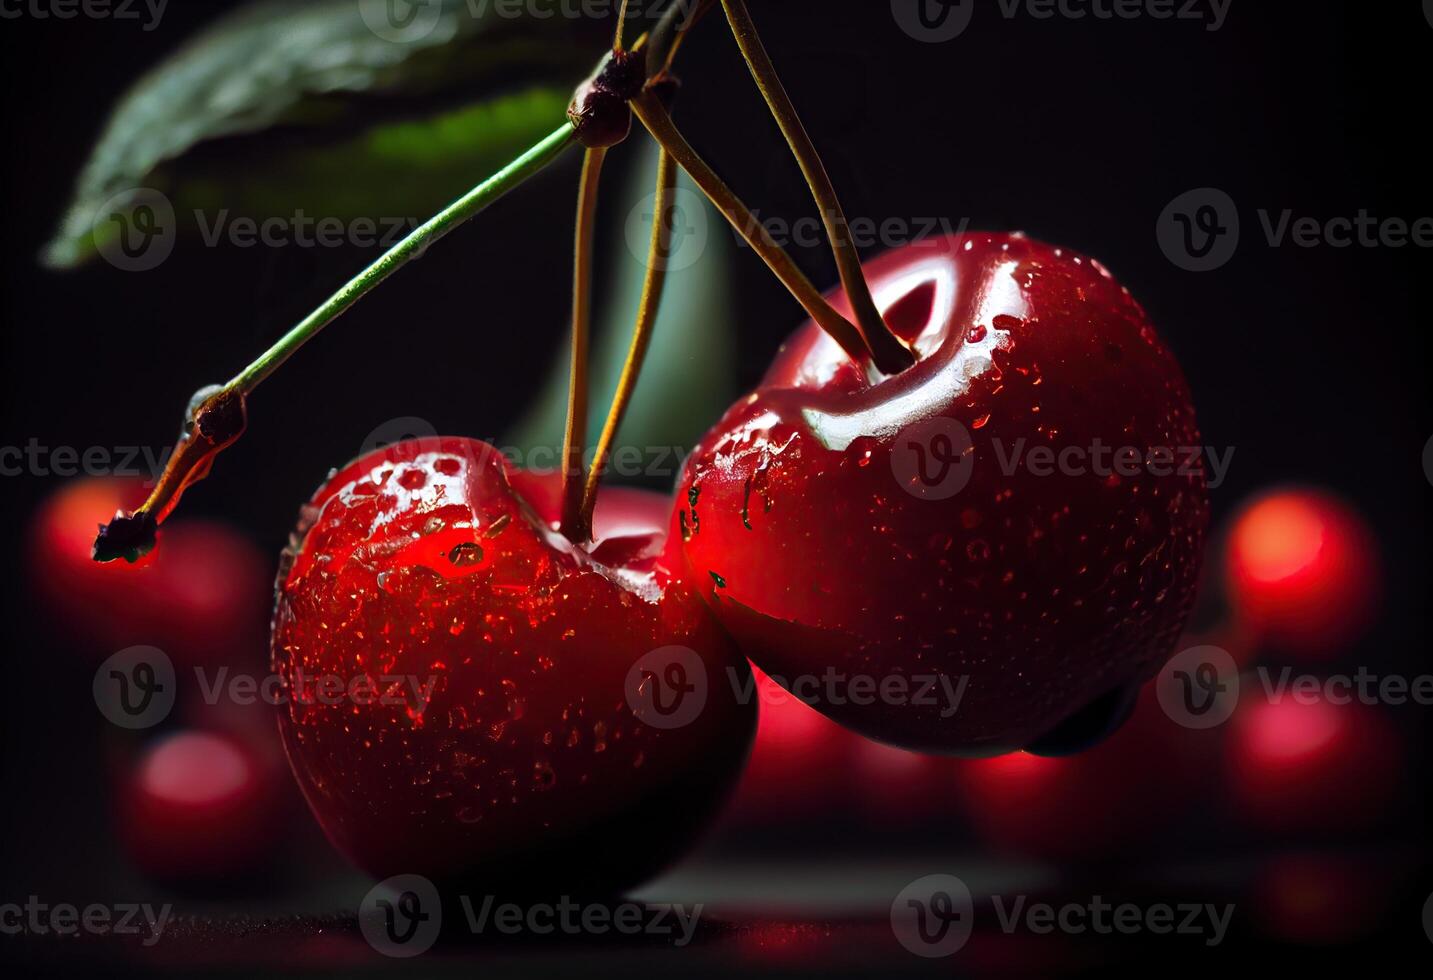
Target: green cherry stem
(888, 354)
(574, 439)
(659, 252)
(216, 418)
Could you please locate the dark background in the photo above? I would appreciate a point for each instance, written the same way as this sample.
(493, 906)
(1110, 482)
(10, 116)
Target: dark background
(1312, 362)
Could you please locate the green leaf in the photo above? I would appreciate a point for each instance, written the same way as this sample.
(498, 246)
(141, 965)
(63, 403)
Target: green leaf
(398, 171)
(690, 373)
(293, 90)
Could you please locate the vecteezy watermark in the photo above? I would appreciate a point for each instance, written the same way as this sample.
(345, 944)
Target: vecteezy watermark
(151, 12)
(39, 918)
(409, 691)
(403, 917)
(866, 233)
(937, 21)
(136, 230)
(836, 688)
(934, 916)
(625, 461)
(1199, 231)
(667, 687)
(135, 688)
(1428, 447)
(1428, 905)
(934, 459)
(1205, 920)
(39, 460)
(412, 21)
(1199, 688)
(1362, 686)
(678, 923)
(685, 218)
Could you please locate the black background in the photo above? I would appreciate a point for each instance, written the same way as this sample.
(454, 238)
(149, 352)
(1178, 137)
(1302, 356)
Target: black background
(1313, 363)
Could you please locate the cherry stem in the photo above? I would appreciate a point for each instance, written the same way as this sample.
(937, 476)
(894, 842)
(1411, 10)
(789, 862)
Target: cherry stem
(654, 116)
(216, 423)
(621, 26)
(574, 524)
(659, 252)
(888, 353)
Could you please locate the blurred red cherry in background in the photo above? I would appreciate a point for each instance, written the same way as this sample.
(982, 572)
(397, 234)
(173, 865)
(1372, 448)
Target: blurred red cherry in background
(1298, 765)
(1302, 570)
(202, 596)
(1106, 801)
(198, 806)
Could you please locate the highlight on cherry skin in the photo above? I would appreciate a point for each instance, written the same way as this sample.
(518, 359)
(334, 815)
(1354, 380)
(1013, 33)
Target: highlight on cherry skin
(809, 519)
(506, 750)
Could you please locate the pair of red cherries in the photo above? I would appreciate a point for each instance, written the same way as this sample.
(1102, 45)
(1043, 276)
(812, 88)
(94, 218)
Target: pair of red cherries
(836, 524)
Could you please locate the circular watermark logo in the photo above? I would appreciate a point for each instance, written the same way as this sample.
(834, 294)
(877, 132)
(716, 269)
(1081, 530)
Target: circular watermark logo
(1428, 905)
(933, 21)
(135, 230)
(934, 458)
(1428, 447)
(667, 688)
(686, 218)
(934, 916)
(135, 688)
(1199, 688)
(1199, 230)
(410, 428)
(401, 916)
(401, 21)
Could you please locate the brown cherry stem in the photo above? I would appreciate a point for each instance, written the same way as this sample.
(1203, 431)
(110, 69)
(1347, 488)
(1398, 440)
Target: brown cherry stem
(888, 353)
(659, 252)
(654, 116)
(574, 440)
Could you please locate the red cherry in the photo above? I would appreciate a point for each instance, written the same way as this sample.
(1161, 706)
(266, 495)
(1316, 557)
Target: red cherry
(1099, 804)
(202, 596)
(1311, 765)
(831, 535)
(527, 769)
(1302, 570)
(797, 770)
(200, 806)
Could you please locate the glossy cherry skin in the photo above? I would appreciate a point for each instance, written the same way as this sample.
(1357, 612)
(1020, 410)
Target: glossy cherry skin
(201, 596)
(1046, 592)
(1302, 571)
(527, 771)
